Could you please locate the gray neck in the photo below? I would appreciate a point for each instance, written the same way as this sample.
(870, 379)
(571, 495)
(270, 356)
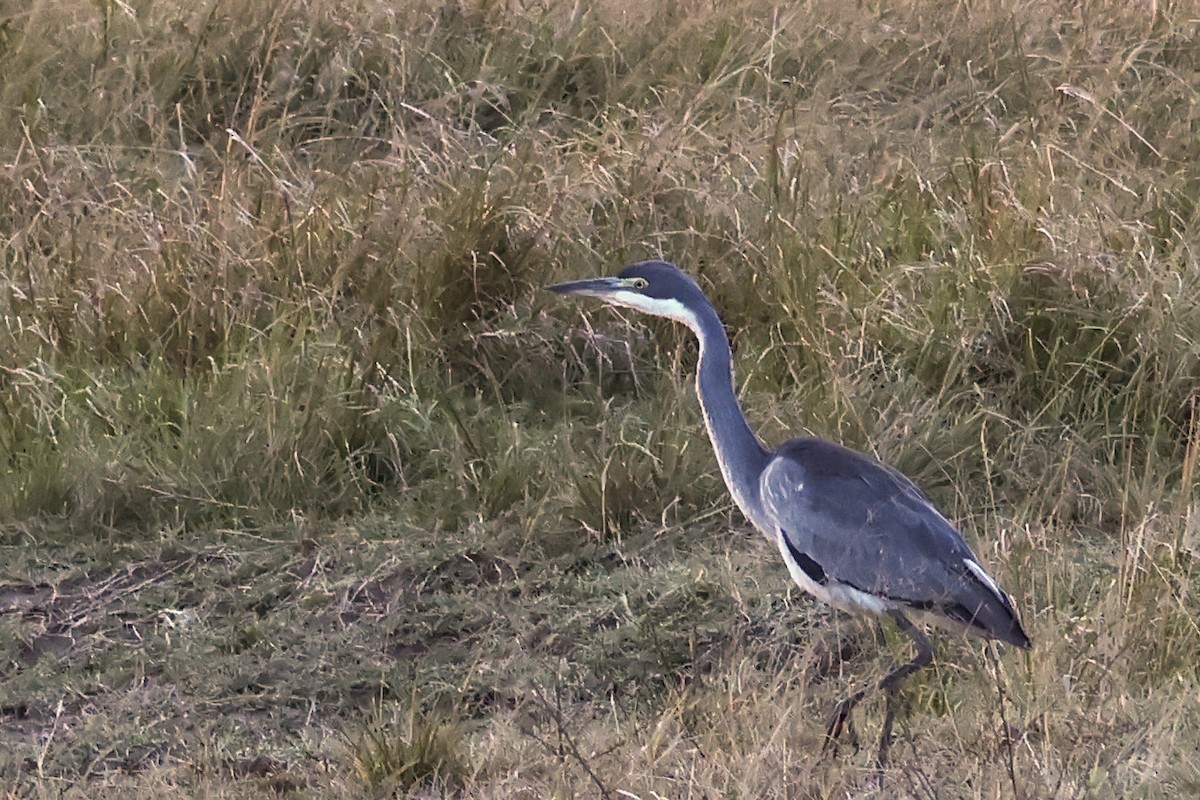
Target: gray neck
(740, 454)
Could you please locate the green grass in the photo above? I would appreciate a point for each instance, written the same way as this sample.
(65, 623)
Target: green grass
(307, 490)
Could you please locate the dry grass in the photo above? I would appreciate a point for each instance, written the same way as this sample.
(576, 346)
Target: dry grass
(307, 491)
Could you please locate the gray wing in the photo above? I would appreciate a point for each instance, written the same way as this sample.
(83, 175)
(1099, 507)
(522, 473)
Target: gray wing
(848, 520)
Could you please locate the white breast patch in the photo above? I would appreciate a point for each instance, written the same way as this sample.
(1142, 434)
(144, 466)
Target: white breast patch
(839, 595)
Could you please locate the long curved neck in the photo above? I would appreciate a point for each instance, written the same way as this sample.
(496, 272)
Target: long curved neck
(740, 454)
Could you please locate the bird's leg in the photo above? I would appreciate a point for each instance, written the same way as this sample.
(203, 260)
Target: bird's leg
(891, 682)
(885, 736)
(839, 722)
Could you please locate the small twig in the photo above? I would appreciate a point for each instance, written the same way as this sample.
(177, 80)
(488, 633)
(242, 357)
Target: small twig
(1008, 733)
(111, 589)
(1080, 163)
(1087, 97)
(41, 759)
(564, 737)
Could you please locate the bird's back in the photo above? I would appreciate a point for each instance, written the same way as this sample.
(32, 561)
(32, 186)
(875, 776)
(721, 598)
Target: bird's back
(856, 532)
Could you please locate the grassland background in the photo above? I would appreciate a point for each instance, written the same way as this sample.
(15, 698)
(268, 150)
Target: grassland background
(306, 489)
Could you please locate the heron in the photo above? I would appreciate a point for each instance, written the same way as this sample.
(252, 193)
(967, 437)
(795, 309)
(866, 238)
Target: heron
(853, 532)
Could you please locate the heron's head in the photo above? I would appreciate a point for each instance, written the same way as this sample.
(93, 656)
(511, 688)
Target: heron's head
(653, 287)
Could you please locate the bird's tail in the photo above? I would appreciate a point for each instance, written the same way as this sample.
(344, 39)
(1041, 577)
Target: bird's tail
(989, 611)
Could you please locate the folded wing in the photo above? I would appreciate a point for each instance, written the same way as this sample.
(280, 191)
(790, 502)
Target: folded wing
(858, 529)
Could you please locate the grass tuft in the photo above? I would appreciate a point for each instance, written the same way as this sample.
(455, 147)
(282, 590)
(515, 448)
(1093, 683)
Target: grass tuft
(417, 752)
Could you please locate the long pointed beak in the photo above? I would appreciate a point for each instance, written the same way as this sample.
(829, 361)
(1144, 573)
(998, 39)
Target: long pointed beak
(592, 287)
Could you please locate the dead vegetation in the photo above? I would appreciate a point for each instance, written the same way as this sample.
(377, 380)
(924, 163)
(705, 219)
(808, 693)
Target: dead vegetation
(307, 491)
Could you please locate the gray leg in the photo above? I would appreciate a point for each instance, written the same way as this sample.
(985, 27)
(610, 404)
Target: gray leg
(839, 722)
(891, 682)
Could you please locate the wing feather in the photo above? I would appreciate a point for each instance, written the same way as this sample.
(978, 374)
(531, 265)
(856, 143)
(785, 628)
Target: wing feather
(867, 527)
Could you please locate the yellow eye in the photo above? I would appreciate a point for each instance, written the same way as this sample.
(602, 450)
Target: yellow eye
(639, 283)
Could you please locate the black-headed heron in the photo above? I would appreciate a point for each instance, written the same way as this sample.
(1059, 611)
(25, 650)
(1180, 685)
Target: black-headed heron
(853, 532)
